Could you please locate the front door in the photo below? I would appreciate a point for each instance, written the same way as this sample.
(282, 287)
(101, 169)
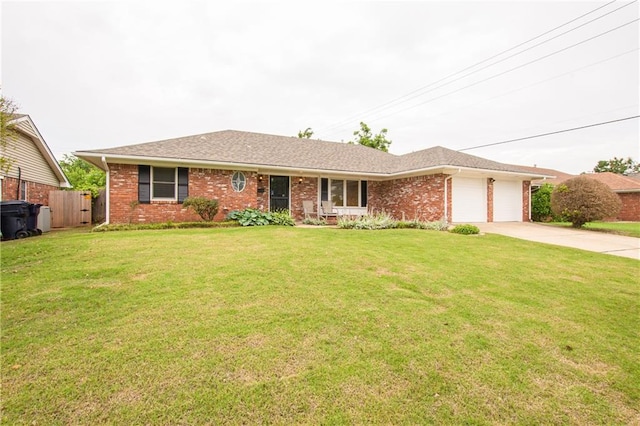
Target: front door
(279, 193)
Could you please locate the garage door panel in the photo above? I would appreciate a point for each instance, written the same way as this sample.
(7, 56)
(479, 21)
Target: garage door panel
(469, 200)
(507, 201)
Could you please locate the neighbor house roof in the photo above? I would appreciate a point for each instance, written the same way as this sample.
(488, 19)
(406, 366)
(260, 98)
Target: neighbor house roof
(617, 183)
(232, 148)
(553, 176)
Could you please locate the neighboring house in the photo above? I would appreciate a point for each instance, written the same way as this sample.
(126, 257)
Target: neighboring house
(33, 171)
(627, 188)
(148, 182)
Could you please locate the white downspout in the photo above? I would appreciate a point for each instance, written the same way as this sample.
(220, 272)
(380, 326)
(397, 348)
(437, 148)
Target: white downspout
(446, 196)
(108, 192)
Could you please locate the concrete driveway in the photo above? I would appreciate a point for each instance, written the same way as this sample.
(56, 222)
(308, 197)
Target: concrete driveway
(600, 242)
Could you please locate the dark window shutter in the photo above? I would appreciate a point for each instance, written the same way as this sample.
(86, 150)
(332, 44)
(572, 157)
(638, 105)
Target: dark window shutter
(183, 183)
(324, 189)
(363, 193)
(144, 184)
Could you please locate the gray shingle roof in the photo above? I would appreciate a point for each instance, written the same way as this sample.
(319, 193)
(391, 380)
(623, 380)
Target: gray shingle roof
(247, 148)
(440, 156)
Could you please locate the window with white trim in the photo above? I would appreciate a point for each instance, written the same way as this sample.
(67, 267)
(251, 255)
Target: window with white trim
(344, 192)
(23, 190)
(163, 183)
(238, 181)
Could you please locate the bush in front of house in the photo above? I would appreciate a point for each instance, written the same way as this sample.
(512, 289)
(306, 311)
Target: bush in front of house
(541, 204)
(385, 221)
(162, 225)
(376, 221)
(439, 225)
(255, 217)
(282, 218)
(206, 208)
(315, 222)
(250, 217)
(465, 229)
(581, 199)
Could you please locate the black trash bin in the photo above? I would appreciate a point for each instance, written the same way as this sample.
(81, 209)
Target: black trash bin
(32, 219)
(13, 219)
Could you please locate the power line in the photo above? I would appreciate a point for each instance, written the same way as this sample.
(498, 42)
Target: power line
(506, 72)
(395, 101)
(536, 83)
(550, 133)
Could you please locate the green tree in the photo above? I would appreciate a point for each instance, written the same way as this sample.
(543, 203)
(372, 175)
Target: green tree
(82, 175)
(7, 133)
(365, 137)
(621, 166)
(583, 199)
(306, 133)
(541, 203)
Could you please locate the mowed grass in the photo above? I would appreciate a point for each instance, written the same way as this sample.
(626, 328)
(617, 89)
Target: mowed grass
(315, 326)
(630, 229)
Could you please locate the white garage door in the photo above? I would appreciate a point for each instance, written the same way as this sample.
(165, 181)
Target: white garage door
(507, 201)
(469, 200)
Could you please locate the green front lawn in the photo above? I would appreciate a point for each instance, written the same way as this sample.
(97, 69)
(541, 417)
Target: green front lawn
(318, 326)
(630, 229)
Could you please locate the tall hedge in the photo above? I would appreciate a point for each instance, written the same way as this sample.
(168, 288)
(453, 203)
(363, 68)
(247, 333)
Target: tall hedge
(581, 199)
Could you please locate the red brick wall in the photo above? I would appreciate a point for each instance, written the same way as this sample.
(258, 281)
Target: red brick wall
(419, 197)
(306, 190)
(263, 197)
(490, 200)
(526, 188)
(37, 193)
(210, 183)
(630, 206)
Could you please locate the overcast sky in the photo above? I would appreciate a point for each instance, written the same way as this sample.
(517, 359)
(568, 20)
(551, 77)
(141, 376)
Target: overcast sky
(102, 74)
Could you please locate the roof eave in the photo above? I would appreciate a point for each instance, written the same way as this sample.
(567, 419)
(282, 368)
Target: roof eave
(95, 158)
(45, 151)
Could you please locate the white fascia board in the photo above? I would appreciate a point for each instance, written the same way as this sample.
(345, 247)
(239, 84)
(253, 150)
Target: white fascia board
(450, 169)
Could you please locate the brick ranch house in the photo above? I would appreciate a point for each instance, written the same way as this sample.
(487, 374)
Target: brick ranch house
(147, 182)
(33, 171)
(627, 188)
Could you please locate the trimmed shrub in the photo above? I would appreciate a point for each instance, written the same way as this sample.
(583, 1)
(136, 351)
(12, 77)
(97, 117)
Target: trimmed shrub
(581, 199)
(206, 208)
(465, 229)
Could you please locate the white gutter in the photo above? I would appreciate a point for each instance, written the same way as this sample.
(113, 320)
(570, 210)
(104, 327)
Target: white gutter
(446, 196)
(107, 191)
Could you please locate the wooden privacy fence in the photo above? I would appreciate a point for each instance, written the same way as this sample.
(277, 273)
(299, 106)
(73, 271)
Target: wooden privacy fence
(70, 208)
